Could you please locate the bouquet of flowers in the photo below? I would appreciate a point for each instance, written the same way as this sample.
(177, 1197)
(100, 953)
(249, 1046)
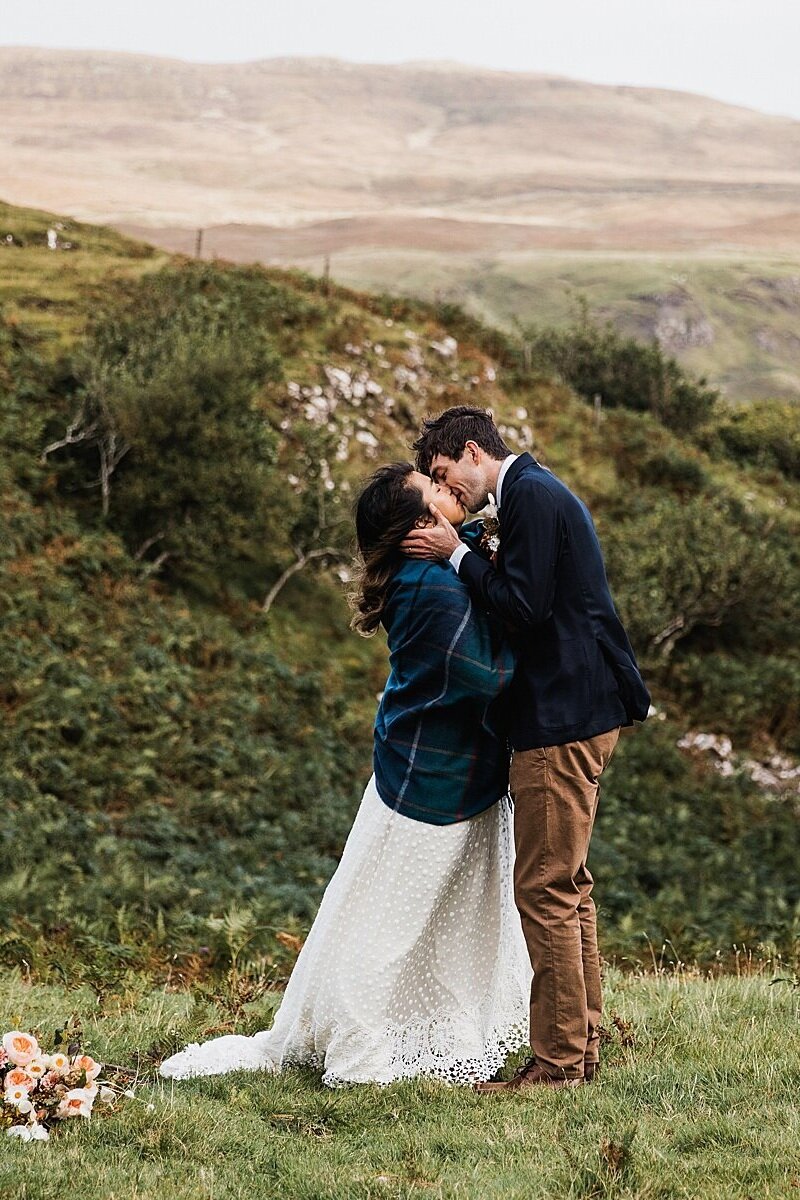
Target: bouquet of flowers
(39, 1089)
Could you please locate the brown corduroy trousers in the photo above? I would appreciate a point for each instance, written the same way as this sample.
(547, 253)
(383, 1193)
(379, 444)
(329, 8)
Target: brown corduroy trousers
(555, 790)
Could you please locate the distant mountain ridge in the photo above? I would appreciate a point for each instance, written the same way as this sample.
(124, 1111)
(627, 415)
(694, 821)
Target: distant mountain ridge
(506, 192)
(286, 140)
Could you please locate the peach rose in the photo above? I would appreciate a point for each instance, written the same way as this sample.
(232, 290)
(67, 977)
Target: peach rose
(18, 1077)
(85, 1062)
(20, 1047)
(76, 1103)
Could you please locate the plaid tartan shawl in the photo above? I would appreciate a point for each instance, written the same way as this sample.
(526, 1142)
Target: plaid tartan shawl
(440, 752)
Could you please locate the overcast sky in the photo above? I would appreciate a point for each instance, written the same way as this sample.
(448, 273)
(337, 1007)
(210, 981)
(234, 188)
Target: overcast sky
(742, 51)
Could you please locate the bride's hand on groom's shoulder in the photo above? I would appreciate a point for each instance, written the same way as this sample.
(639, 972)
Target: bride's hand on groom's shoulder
(432, 541)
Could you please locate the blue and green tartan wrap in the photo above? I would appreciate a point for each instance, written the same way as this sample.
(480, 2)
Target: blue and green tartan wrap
(440, 751)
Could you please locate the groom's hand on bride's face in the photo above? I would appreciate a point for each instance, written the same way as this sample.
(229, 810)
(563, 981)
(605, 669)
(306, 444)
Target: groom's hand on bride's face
(434, 541)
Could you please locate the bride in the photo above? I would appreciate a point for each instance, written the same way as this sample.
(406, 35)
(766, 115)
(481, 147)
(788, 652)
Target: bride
(415, 963)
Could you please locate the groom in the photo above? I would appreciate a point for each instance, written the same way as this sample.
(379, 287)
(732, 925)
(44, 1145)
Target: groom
(575, 685)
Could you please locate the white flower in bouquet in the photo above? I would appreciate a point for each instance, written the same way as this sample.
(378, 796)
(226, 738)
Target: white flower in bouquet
(21, 1047)
(38, 1067)
(58, 1062)
(76, 1103)
(17, 1097)
(29, 1133)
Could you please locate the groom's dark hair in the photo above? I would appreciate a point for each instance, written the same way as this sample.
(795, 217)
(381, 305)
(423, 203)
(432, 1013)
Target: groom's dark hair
(449, 433)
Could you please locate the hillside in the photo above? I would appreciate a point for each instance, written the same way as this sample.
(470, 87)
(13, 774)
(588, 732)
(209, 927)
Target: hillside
(180, 438)
(677, 215)
(285, 141)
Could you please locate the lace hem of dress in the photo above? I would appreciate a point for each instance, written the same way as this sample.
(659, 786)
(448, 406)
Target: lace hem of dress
(428, 1048)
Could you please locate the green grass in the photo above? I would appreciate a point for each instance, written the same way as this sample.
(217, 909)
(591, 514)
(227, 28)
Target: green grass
(52, 292)
(701, 1104)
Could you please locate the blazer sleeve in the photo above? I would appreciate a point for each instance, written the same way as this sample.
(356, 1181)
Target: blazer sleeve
(476, 658)
(522, 596)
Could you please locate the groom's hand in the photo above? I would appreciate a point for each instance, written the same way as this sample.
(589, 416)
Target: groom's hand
(436, 541)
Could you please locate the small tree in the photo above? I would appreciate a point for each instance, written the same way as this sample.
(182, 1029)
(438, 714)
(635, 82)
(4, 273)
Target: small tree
(679, 568)
(166, 428)
(313, 509)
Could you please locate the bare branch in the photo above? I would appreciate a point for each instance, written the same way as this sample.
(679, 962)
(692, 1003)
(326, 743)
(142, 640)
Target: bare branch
(304, 557)
(72, 436)
(152, 567)
(110, 458)
(151, 541)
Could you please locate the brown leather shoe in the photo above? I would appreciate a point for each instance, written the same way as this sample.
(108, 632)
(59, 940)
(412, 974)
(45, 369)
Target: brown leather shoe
(530, 1074)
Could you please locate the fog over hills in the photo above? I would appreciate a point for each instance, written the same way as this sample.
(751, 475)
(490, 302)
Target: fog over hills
(460, 173)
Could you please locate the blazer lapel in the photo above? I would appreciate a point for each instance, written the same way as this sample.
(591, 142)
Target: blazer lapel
(524, 460)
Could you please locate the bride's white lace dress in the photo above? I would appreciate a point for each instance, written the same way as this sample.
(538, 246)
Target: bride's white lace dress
(415, 963)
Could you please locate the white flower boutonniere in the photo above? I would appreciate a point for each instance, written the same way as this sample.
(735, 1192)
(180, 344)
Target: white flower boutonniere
(490, 538)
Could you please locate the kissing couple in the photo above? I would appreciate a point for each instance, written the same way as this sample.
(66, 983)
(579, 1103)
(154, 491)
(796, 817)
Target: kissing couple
(459, 925)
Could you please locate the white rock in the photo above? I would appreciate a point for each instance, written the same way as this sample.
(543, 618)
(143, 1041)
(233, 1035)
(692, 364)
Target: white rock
(338, 378)
(404, 377)
(447, 347)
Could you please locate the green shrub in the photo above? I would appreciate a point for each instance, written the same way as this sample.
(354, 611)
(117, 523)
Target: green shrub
(597, 360)
(763, 434)
(682, 854)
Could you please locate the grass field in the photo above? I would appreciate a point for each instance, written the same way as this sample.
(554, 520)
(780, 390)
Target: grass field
(698, 1099)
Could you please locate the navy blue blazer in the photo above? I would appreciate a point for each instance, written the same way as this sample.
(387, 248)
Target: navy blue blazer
(576, 674)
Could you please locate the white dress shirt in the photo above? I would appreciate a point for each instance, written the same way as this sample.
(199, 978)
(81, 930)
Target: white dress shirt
(463, 548)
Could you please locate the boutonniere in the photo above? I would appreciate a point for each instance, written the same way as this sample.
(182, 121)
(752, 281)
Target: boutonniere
(490, 538)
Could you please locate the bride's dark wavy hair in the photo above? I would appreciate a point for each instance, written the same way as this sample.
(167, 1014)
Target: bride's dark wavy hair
(385, 511)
